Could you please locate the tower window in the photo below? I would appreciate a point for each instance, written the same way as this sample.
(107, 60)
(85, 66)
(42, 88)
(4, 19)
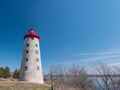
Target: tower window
(37, 59)
(32, 38)
(27, 45)
(37, 51)
(38, 68)
(26, 59)
(36, 45)
(26, 68)
(27, 51)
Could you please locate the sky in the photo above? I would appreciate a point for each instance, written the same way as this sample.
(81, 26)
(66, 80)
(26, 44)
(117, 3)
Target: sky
(73, 32)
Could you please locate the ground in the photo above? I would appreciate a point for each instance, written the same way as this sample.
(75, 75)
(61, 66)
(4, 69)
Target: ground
(16, 85)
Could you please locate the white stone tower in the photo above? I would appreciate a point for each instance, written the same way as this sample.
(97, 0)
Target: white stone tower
(31, 68)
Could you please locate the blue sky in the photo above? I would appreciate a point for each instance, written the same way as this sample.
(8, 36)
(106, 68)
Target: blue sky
(82, 32)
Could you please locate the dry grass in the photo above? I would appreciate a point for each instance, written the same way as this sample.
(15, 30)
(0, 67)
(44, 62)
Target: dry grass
(16, 85)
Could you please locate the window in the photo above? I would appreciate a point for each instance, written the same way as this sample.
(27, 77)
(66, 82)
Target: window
(37, 51)
(27, 51)
(32, 38)
(26, 68)
(27, 45)
(36, 45)
(26, 59)
(38, 68)
(37, 59)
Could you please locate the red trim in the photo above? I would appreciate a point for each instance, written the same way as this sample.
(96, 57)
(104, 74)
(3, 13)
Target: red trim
(32, 34)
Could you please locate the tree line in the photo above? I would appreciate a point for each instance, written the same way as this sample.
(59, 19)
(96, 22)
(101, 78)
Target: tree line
(6, 73)
(77, 78)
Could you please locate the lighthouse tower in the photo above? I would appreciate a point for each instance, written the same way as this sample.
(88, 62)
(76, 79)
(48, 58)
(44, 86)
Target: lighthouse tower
(31, 68)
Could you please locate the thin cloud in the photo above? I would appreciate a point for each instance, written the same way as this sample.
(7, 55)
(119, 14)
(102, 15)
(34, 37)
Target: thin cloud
(109, 52)
(93, 59)
(108, 55)
(101, 58)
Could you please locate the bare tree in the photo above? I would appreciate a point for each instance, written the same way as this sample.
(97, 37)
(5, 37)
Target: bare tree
(51, 74)
(56, 74)
(74, 78)
(106, 75)
(79, 79)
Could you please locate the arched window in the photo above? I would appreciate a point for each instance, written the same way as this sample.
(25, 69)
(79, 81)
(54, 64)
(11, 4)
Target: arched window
(38, 68)
(26, 59)
(37, 59)
(37, 51)
(36, 45)
(27, 45)
(27, 51)
(26, 68)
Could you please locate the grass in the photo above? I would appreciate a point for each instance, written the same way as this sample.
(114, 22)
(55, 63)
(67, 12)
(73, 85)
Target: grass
(16, 85)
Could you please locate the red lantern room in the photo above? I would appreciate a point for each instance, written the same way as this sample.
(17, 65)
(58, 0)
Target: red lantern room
(32, 34)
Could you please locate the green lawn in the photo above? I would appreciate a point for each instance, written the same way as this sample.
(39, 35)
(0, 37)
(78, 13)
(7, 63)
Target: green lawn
(12, 85)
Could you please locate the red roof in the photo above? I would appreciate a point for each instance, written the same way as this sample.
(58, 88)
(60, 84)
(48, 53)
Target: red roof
(32, 34)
